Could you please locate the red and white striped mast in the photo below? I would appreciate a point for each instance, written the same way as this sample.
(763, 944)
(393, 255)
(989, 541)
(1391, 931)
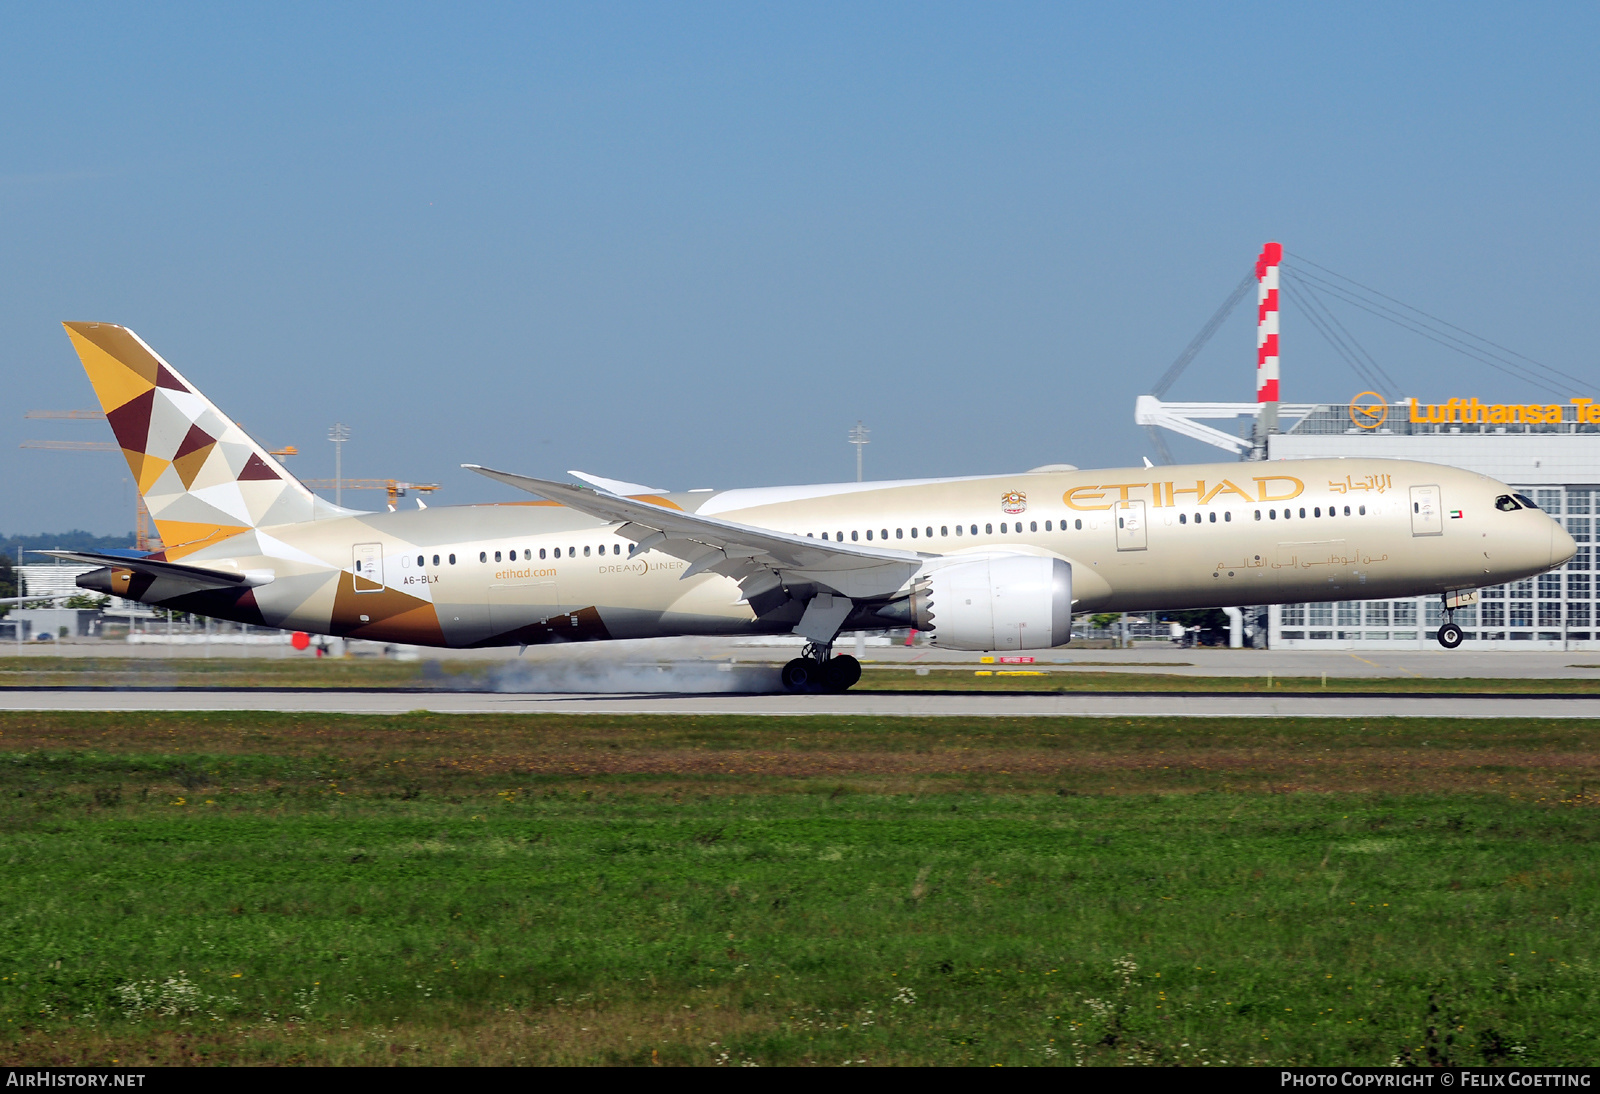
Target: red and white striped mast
(1267, 342)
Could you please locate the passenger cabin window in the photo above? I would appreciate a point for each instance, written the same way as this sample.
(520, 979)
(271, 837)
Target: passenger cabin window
(420, 562)
(913, 533)
(1347, 510)
(436, 560)
(557, 552)
(855, 536)
(959, 529)
(585, 550)
(1363, 510)
(1183, 518)
(1213, 518)
(1228, 516)
(452, 560)
(1033, 526)
(869, 535)
(885, 533)
(1077, 524)
(497, 556)
(988, 529)
(930, 531)
(1002, 528)
(1047, 526)
(541, 552)
(899, 533)
(944, 530)
(483, 556)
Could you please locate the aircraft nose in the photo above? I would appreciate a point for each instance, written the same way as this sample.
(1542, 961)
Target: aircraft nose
(1562, 545)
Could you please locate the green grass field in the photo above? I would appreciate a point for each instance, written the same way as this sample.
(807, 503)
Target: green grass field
(263, 888)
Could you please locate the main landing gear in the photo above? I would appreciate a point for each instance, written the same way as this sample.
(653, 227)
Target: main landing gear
(1449, 633)
(815, 670)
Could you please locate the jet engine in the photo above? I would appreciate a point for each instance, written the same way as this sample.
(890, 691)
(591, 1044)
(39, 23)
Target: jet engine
(1004, 602)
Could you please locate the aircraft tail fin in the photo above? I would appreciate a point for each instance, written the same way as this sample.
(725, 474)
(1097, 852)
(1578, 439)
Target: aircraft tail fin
(202, 478)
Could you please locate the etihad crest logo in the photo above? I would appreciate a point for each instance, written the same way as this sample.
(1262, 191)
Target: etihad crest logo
(1369, 410)
(1014, 502)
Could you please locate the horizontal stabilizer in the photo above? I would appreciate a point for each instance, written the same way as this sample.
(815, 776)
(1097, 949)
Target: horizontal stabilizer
(194, 575)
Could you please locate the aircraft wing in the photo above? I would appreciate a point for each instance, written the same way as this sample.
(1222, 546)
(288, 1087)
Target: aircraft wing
(203, 576)
(758, 558)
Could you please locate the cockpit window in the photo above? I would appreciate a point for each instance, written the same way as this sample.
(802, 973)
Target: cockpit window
(1527, 502)
(1506, 504)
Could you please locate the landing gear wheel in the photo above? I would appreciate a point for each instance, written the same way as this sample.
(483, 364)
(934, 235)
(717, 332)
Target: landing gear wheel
(801, 674)
(841, 673)
(1449, 636)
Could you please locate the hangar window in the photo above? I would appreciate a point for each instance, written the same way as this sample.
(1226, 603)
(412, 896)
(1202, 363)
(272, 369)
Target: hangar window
(436, 560)
(452, 560)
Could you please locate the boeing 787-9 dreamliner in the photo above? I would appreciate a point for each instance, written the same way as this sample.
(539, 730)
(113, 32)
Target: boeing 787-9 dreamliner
(987, 562)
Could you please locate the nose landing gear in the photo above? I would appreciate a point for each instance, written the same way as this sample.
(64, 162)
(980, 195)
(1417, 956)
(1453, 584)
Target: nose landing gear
(816, 670)
(1449, 633)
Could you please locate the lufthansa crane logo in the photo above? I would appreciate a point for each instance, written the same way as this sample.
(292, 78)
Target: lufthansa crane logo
(1369, 410)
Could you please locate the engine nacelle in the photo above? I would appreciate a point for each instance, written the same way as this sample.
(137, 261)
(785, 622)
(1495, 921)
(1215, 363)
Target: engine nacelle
(1004, 602)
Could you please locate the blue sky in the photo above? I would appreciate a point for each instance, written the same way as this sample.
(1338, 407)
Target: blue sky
(690, 245)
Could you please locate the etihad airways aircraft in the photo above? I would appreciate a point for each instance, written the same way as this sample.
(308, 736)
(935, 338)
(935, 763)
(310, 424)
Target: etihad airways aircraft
(991, 562)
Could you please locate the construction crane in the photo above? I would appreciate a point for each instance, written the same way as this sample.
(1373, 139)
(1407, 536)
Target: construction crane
(142, 538)
(394, 488)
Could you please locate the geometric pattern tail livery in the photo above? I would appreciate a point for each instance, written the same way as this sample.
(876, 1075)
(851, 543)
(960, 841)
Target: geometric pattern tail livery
(202, 478)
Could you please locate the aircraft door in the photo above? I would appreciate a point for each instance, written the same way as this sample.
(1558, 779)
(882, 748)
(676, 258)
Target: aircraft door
(1130, 526)
(367, 567)
(1427, 513)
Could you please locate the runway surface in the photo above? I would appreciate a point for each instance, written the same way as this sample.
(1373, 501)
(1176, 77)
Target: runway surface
(870, 704)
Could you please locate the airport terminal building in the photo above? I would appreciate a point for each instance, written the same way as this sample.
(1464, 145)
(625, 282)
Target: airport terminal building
(1549, 452)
